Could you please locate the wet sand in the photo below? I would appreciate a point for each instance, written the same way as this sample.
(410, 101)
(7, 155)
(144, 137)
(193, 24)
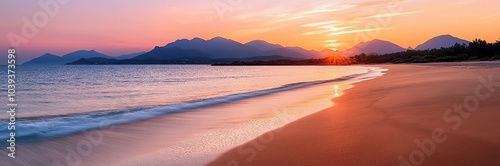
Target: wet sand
(433, 114)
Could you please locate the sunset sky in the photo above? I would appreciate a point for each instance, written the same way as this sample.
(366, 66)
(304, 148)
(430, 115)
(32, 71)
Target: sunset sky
(117, 27)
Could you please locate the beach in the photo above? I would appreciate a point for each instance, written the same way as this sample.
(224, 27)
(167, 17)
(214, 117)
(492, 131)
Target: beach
(425, 114)
(432, 114)
(258, 83)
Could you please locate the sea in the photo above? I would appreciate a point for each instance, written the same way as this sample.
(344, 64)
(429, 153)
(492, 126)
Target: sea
(190, 103)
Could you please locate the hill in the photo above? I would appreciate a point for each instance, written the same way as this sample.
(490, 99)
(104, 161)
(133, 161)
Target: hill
(374, 47)
(443, 41)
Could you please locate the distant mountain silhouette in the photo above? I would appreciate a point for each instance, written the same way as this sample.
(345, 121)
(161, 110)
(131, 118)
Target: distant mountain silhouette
(196, 50)
(129, 56)
(307, 54)
(84, 54)
(46, 59)
(217, 47)
(50, 59)
(374, 47)
(263, 45)
(94, 60)
(180, 55)
(441, 41)
(286, 52)
(170, 53)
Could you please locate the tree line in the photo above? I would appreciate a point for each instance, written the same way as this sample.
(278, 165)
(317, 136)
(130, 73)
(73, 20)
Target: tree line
(476, 50)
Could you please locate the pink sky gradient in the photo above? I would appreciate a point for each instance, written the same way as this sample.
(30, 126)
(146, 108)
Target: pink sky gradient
(117, 27)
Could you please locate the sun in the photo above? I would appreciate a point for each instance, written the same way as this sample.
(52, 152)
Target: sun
(337, 59)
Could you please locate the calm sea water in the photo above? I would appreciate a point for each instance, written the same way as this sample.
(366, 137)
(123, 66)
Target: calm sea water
(190, 110)
(60, 90)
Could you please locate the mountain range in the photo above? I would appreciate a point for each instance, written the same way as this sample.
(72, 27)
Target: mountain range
(220, 49)
(50, 59)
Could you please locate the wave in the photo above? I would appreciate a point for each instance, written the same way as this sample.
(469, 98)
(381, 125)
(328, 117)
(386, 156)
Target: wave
(47, 127)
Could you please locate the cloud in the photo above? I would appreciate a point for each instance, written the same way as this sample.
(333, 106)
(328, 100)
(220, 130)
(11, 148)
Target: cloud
(333, 28)
(316, 20)
(320, 23)
(382, 15)
(290, 18)
(355, 31)
(331, 41)
(371, 3)
(318, 10)
(327, 9)
(328, 29)
(333, 45)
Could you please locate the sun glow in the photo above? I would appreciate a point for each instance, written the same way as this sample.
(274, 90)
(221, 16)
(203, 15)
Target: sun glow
(337, 59)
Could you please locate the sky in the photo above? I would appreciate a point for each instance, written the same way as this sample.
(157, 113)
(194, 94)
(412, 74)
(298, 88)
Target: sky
(116, 27)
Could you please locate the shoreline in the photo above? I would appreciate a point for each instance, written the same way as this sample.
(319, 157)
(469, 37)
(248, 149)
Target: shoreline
(379, 122)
